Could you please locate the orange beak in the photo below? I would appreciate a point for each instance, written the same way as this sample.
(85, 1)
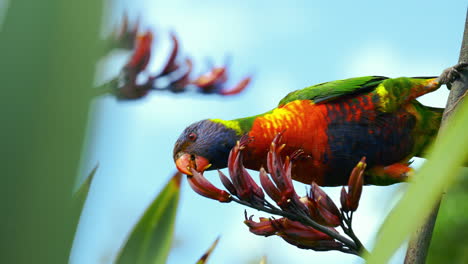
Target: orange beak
(186, 162)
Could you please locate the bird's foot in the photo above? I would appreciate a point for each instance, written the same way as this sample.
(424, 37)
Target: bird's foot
(451, 74)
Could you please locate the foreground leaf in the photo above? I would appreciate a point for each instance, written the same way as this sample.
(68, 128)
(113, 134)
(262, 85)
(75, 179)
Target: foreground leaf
(207, 254)
(150, 240)
(452, 225)
(444, 163)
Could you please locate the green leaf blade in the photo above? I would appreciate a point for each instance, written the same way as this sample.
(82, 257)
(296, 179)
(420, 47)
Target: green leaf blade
(151, 239)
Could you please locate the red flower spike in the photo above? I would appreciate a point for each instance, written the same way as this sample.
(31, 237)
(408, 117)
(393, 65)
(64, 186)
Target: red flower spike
(269, 187)
(171, 65)
(322, 208)
(239, 87)
(203, 187)
(227, 183)
(142, 52)
(356, 180)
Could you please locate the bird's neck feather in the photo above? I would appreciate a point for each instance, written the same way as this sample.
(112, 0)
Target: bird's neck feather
(240, 125)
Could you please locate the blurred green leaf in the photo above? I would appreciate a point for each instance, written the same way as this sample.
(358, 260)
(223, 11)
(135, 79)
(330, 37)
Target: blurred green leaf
(449, 243)
(151, 238)
(444, 163)
(79, 197)
(48, 52)
(263, 260)
(207, 254)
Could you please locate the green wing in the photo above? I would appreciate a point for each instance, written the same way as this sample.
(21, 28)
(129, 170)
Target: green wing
(326, 92)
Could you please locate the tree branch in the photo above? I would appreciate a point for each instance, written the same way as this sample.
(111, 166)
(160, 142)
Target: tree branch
(419, 245)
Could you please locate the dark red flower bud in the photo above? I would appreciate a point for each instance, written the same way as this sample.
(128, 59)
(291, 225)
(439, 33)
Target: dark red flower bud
(355, 183)
(269, 187)
(321, 207)
(281, 174)
(246, 180)
(227, 183)
(276, 168)
(344, 200)
(203, 187)
(262, 228)
(246, 188)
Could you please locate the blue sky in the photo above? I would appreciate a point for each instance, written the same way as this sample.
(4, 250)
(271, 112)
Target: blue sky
(287, 46)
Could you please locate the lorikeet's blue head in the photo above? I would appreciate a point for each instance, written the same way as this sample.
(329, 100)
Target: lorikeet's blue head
(202, 145)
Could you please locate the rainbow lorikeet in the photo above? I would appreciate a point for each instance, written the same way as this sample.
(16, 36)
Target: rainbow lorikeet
(335, 124)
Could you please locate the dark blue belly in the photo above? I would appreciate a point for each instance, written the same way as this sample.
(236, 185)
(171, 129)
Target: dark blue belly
(383, 138)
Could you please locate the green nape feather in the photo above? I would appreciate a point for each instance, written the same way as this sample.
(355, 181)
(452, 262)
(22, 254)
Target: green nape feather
(240, 125)
(328, 91)
(232, 124)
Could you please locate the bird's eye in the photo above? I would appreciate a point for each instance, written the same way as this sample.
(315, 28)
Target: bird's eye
(192, 136)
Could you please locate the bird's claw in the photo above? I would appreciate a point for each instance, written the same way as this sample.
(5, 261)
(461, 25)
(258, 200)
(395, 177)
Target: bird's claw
(451, 74)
